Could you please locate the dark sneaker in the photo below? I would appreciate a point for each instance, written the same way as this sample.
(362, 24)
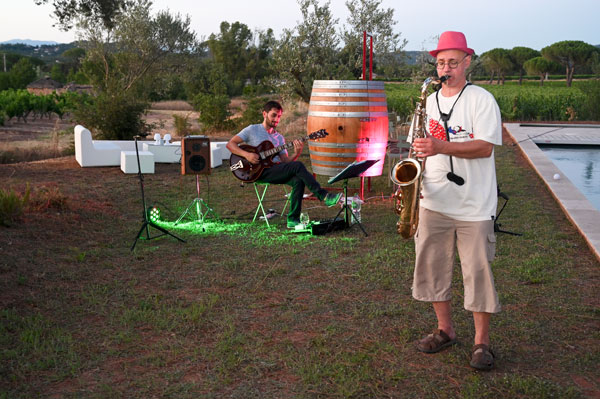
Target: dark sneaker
(291, 224)
(332, 199)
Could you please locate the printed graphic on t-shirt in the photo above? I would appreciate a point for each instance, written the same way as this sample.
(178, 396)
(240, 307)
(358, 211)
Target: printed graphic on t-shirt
(456, 132)
(437, 130)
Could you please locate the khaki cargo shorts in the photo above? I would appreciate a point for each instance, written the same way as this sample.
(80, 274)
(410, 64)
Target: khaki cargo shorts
(435, 242)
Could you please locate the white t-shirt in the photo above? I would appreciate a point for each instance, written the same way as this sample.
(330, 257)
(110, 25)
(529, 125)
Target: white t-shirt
(255, 134)
(476, 116)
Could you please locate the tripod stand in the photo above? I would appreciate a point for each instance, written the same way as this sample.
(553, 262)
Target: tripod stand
(146, 223)
(197, 205)
(497, 225)
(352, 170)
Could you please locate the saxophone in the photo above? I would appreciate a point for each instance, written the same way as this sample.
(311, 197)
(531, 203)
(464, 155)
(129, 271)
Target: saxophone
(408, 173)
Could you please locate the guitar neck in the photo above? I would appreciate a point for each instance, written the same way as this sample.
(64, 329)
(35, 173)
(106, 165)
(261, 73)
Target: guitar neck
(276, 150)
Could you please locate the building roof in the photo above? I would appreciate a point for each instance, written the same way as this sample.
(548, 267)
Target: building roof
(45, 83)
(77, 87)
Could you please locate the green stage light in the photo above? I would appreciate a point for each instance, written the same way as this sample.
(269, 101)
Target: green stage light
(153, 214)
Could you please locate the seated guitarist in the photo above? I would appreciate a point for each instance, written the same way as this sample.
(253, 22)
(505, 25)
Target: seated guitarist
(286, 170)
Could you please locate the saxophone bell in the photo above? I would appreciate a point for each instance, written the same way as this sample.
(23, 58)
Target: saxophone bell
(406, 172)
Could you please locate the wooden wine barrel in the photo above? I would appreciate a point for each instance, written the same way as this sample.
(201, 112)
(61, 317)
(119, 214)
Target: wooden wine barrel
(354, 113)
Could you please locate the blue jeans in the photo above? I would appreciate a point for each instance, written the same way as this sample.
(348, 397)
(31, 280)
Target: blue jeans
(293, 174)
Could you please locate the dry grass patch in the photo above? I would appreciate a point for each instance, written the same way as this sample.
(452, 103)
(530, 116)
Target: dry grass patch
(174, 105)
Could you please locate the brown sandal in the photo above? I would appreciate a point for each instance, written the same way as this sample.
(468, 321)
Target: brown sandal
(435, 342)
(482, 358)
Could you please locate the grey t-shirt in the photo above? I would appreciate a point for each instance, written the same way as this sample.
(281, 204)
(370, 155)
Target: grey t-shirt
(255, 134)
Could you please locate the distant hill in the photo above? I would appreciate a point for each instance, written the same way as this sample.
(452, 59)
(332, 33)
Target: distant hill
(49, 51)
(45, 52)
(29, 42)
(412, 57)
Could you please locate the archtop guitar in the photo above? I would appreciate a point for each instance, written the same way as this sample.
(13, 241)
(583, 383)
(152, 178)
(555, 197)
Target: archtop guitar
(247, 172)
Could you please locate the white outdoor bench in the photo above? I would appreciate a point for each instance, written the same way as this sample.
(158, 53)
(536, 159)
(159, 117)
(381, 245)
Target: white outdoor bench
(165, 153)
(90, 152)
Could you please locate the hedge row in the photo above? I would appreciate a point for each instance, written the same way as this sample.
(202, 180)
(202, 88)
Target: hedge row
(519, 103)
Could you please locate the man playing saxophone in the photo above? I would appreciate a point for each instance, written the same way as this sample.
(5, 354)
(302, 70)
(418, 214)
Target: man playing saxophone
(459, 198)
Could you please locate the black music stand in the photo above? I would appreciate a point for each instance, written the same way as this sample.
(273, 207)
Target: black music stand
(146, 223)
(352, 170)
(497, 225)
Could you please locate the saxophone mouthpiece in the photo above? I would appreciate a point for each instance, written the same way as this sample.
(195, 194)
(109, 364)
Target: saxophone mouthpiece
(444, 78)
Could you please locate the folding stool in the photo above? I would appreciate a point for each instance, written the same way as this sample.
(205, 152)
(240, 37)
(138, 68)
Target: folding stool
(261, 195)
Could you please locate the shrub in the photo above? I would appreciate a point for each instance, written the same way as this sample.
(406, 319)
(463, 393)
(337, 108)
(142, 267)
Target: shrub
(47, 198)
(251, 90)
(182, 124)
(12, 205)
(592, 105)
(252, 114)
(214, 112)
(115, 116)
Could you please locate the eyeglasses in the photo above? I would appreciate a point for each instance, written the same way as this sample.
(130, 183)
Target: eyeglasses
(452, 63)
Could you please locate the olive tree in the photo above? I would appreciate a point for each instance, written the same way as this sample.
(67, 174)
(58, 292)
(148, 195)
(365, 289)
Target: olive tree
(67, 12)
(125, 63)
(367, 16)
(306, 52)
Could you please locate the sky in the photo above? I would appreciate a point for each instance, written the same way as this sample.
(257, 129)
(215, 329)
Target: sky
(487, 24)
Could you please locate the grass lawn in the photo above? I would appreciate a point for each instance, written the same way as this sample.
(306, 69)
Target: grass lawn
(242, 311)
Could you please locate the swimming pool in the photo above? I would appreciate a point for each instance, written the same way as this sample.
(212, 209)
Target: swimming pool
(581, 164)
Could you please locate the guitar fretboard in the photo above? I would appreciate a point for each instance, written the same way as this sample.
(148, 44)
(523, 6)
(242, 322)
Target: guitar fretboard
(275, 150)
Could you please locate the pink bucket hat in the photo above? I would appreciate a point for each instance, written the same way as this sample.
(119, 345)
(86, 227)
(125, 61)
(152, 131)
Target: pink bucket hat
(452, 41)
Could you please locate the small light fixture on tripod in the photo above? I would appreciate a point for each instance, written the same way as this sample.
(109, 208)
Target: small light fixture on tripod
(153, 214)
(147, 221)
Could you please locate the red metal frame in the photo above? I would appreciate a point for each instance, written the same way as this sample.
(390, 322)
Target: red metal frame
(364, 74)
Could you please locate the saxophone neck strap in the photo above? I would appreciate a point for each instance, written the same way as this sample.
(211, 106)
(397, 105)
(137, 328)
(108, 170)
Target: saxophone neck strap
(446, 117)
(453, 177)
